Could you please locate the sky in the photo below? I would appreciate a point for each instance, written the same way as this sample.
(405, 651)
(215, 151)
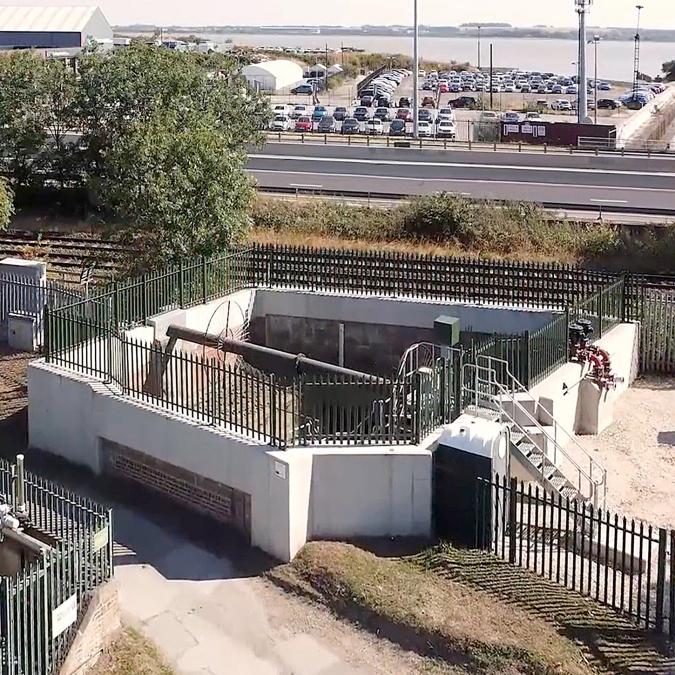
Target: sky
(656, 14)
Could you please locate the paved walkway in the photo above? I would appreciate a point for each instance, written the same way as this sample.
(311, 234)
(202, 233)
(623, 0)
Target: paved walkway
(206, 616)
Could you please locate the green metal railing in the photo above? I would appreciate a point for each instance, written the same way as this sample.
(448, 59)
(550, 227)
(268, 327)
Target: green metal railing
(605, 309)
(35, 636)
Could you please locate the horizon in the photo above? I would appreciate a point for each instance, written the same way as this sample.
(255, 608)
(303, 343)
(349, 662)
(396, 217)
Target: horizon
(433, 13)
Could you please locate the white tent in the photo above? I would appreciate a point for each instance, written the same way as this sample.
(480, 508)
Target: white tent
(273, 75)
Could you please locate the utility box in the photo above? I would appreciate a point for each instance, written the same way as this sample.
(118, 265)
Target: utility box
(447, 330)
(22, 332)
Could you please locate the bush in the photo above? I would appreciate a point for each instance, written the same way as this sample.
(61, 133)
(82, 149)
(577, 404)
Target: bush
(6, 204)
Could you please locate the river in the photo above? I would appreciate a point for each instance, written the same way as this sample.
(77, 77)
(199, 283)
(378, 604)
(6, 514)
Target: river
(615, 59)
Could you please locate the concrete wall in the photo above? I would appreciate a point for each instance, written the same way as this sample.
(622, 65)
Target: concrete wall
(295, 495)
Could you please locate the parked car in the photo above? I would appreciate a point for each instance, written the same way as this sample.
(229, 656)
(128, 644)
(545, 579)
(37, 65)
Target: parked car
(443, 88)
(384, 101)
(367, 100)
(299, 111)
(351, 126)
(303, 124)
(561, 104)
(303, 89)
(281, 109)
(404, 102)
(398, 128)
(319, 112)
(327, 125)
(511, 117)
(462, 102)
(340, 113)
(425, 115)
(446, 114)
(572, 89)
(404, 114)
(374, 127)
(382, 114)
(533, 117)
(608, 104)
(362, 114)
(281, 123)
(446, 129)
(488, 116)
(604, 86)
(425, 128)
(428, 102)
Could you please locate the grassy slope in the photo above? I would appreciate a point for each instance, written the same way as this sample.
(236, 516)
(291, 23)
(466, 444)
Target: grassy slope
(131, 654)
(462, 629)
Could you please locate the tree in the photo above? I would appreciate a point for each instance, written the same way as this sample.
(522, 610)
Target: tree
(165, 135)
(6, 204)
(22, 121)
(669, 70)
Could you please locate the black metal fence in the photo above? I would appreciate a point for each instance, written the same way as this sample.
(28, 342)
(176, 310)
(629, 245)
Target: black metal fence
(626, 564)
(36, 602)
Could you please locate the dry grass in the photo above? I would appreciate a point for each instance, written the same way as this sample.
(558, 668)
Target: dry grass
(458, 627)
(131, 654)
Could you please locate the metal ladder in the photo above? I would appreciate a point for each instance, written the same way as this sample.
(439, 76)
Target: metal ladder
(485, 394)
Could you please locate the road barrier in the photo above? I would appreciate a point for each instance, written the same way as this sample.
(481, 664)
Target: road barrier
(647, 148)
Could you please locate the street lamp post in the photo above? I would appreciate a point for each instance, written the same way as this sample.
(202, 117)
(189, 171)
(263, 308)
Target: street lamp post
(595, 41)
(478, 26)
(582, 95)
(416, 71)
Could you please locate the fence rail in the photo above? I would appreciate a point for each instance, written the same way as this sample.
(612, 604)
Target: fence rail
(80, 533)
(620, 562)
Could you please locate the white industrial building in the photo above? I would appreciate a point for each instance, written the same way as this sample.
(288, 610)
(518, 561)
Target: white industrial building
(273, 75)
(49, 27)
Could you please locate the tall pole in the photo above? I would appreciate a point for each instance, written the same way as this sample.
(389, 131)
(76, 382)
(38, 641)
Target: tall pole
(596, 40)
(326, 82)
(636, 55)
(491, 67)
(416, 71)
(582, 95)
(478, 46)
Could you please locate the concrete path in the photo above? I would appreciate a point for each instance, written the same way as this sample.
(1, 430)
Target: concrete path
(205, 615)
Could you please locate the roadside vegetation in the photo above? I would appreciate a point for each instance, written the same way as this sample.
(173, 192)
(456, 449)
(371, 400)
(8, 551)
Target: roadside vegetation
(131, 654)
(445, 224)
(458, 628)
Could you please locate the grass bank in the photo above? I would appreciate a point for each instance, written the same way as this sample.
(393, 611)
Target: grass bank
(452, 225)
(131, 654)
(459, 628)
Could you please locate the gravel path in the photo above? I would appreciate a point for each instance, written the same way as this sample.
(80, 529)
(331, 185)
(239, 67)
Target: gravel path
(638, 451)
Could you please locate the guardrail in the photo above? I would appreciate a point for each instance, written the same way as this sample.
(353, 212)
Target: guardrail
(362, 140)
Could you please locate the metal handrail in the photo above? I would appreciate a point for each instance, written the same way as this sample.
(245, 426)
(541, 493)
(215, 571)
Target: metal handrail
(517, 386)
(592, 463)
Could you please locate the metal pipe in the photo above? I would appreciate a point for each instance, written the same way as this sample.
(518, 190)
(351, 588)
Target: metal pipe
(20, 506)
(302, 363)
(341, 345)
(416, 72)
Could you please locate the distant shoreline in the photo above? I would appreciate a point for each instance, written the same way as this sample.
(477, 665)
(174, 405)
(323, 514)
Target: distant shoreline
(613, 34)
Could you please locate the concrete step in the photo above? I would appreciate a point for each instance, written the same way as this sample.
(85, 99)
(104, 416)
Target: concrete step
(520, 408)
(537, 435)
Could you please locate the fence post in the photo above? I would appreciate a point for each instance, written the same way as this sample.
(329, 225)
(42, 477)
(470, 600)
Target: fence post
(203, 280)
(144, 310)
(624, 298)
(276, 440)
(513, 496)
(601, 306)
(417, 426)
(116, 306)
(46, 335)
(661, 579)
(181, 291)
(671, 599)
(527, 369)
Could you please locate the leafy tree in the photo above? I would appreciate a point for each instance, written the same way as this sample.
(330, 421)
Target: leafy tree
(22, 123)
(164, 136)
(6, 204)
(669, 70)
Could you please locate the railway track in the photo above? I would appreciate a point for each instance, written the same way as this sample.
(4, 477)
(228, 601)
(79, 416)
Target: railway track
(66, 254)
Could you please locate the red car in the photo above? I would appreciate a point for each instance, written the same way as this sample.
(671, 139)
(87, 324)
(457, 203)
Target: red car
(303, 124)
(443, 88)
(404, 114)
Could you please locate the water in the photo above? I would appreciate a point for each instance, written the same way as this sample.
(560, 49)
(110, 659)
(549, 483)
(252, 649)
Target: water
(615, 59)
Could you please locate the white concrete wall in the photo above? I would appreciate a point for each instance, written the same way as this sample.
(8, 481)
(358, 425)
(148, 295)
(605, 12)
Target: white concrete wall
(643, 116)
(295, 495)
(397, 311)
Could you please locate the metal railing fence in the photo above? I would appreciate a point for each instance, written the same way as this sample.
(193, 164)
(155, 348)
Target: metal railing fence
(620, 562)
(34, 602)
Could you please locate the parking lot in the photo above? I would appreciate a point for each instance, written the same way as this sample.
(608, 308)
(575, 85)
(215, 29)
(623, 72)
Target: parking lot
(464, 119)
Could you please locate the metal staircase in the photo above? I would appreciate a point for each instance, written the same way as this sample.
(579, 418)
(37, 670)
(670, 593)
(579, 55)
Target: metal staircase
(553, 456)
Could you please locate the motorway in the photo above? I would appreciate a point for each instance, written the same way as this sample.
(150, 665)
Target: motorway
(619, 184)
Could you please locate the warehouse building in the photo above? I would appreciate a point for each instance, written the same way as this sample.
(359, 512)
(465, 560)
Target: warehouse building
(273, 75)
(62, 28)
